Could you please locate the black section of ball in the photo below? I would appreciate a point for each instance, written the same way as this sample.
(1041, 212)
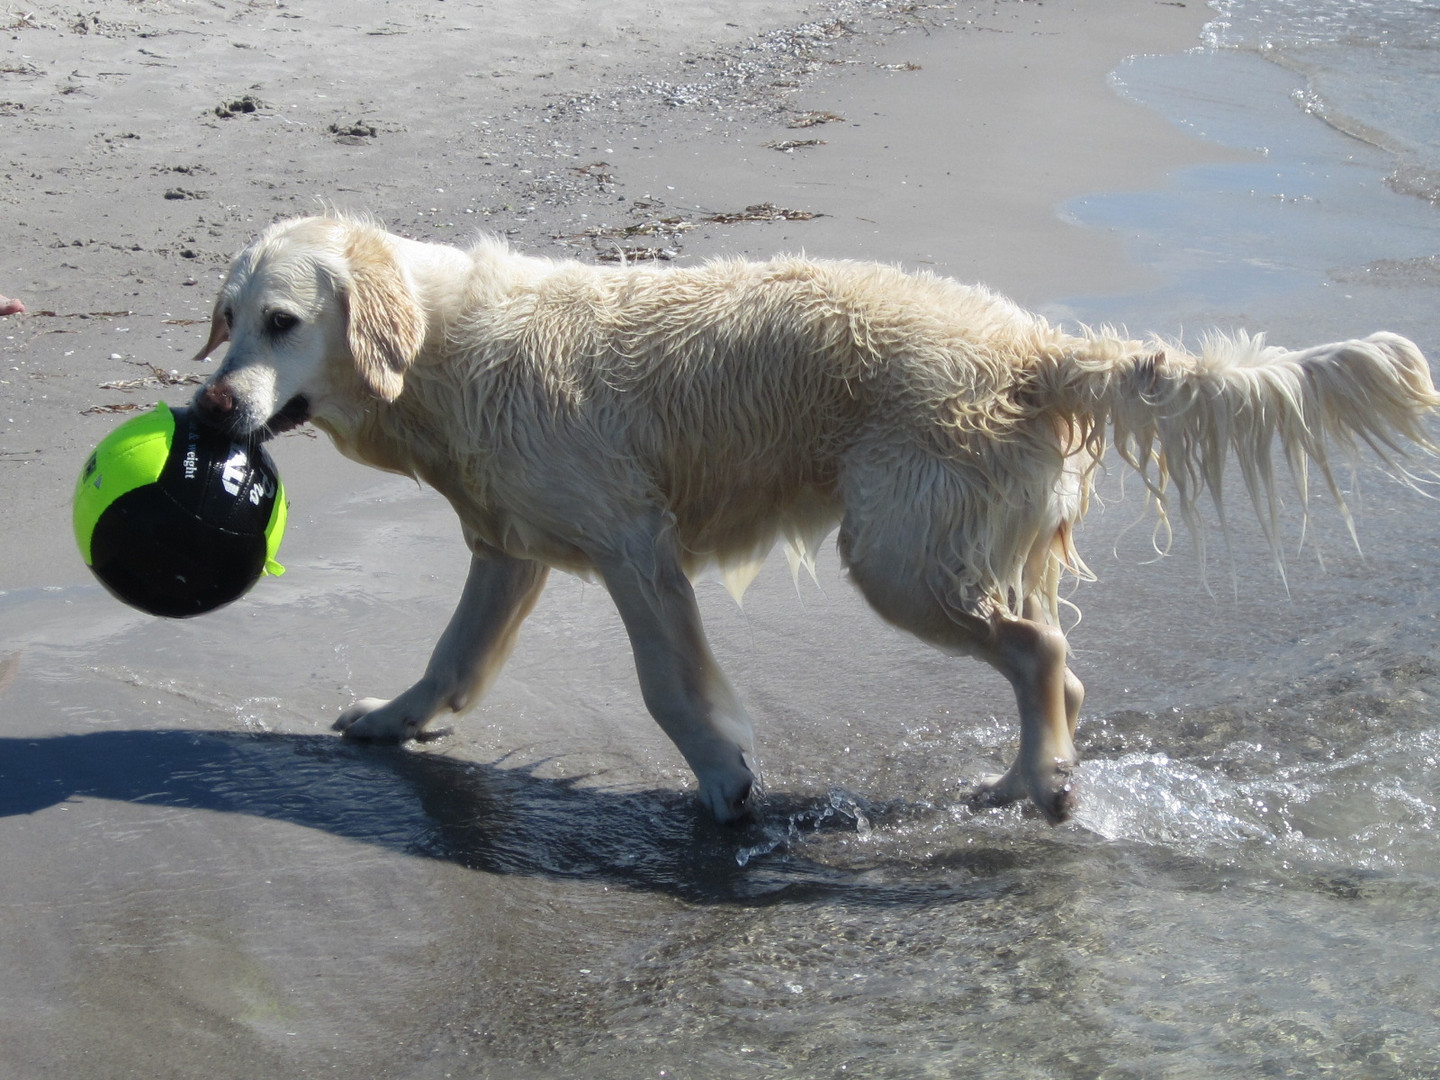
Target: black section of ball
(196, 538)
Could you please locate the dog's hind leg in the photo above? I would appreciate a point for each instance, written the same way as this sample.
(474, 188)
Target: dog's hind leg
(889, 544)
(683, 687)
(1074, 688)
(1031, 655)
(499, 592)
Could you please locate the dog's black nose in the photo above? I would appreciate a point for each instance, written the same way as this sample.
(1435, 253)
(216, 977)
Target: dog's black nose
(215, 402)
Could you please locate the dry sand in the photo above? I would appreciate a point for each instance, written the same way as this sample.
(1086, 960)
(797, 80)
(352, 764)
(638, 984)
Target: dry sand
(146, 142)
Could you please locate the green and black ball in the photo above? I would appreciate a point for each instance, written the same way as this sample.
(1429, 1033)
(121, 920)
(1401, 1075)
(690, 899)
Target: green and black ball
(175, 518)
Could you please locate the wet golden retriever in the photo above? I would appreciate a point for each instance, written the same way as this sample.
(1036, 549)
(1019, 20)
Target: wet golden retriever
(637, 423)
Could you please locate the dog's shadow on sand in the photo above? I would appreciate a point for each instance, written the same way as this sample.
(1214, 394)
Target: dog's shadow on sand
(491, 818)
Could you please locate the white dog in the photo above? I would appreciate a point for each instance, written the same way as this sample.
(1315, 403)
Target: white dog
(637, 423)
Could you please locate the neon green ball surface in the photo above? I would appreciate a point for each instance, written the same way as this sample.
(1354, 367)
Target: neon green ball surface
(175, 518)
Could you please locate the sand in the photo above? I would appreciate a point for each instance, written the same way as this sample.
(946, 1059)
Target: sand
(150, 930)
(145, 143)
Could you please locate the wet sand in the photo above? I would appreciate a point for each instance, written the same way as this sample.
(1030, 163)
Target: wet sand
(200, 879)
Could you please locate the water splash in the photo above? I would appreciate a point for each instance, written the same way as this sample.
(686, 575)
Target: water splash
(840, 808)
(1153, 799)
(1372, 809)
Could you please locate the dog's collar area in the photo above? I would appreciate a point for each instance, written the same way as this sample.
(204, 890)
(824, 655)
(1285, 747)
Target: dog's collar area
(292, 414)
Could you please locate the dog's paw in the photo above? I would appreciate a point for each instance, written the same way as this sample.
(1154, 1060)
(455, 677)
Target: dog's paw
(1057, 799)
(727, 797)
(1053, 793)
(995, 790)
(375, 720)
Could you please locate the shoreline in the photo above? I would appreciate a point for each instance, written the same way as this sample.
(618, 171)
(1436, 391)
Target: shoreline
(974, 189)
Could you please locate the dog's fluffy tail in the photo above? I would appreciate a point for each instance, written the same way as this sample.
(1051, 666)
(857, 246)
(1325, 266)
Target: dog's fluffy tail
(1176, 418)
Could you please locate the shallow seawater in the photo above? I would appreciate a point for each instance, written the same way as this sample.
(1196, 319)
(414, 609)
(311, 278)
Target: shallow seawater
(1248, 888)
(1371, 69)
(1327, 222)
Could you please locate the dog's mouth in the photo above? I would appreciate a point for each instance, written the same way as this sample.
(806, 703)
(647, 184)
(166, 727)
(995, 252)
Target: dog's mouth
(292, 414)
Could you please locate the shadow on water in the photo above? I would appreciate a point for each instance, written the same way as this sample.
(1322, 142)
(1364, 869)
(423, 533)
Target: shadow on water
(486, 817)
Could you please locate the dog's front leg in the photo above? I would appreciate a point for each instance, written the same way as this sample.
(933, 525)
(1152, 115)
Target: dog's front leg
(499, 593)
(683, 687)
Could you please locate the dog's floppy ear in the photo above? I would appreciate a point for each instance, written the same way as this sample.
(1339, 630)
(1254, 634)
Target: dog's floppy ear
(386, 325)
(219, 333)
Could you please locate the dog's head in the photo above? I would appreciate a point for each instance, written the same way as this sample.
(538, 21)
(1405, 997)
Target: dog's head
(321, 319)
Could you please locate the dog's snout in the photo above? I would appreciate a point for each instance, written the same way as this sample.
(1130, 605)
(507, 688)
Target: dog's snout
(216, 401)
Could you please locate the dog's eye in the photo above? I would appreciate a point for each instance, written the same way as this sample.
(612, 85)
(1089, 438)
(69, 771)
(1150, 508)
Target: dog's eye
(229, 317)
(281, 322)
